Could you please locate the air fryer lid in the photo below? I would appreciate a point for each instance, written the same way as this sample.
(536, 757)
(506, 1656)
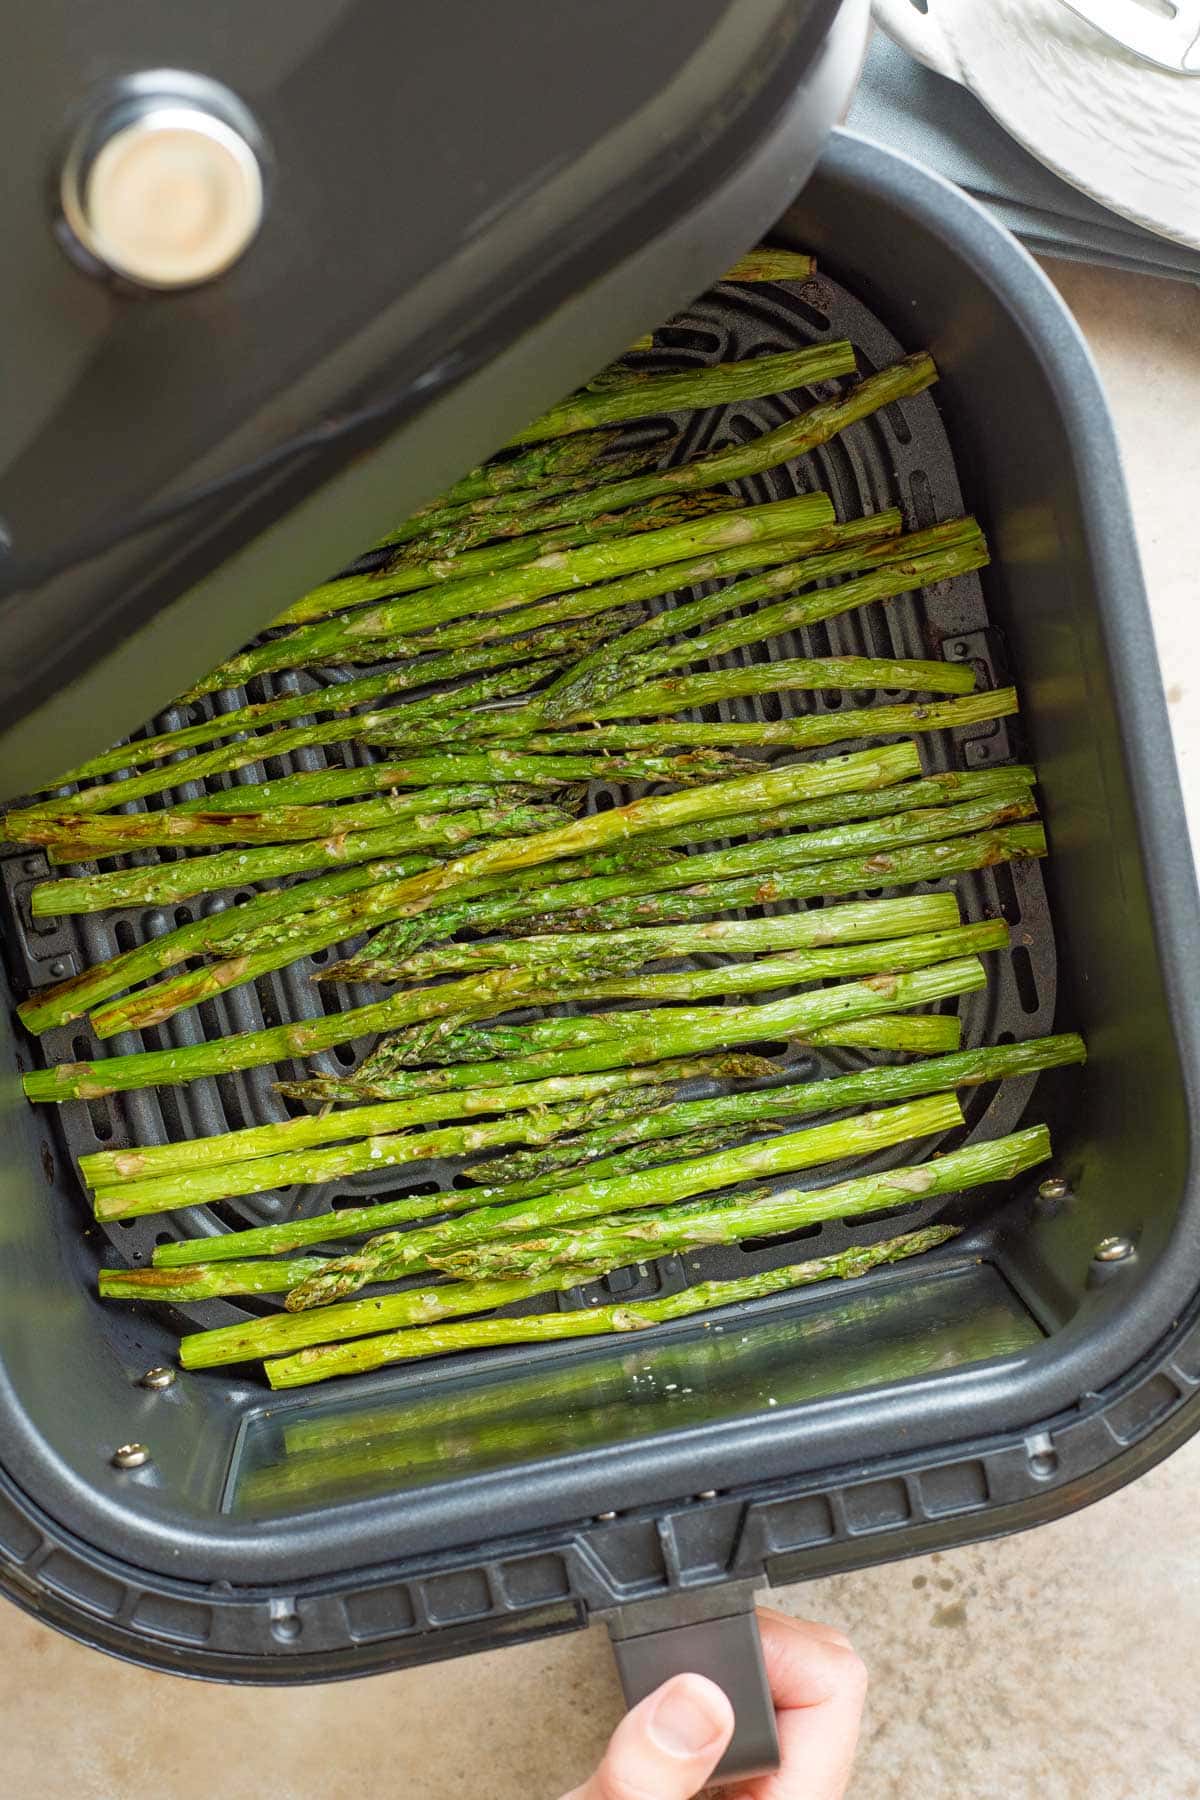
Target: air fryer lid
(446, 193)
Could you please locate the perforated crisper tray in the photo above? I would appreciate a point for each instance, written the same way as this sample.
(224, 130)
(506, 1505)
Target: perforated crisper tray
(899, 457)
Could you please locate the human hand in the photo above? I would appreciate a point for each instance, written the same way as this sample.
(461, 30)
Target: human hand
(668, 1745)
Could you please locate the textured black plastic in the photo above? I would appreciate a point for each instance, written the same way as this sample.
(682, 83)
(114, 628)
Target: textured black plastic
(901, 458)
(1001, 1387)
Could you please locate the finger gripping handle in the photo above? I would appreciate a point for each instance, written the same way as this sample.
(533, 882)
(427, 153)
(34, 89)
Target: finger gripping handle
(713, 1633)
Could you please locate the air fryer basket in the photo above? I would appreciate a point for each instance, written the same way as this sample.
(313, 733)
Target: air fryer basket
(413, 1515)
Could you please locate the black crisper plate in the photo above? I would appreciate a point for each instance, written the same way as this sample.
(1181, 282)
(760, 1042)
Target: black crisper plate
(900, 457)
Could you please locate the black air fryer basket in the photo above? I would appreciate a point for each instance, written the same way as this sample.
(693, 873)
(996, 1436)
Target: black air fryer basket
(1018, 1374)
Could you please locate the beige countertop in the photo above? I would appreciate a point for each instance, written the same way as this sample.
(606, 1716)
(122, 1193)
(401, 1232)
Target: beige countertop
(1050, 1666)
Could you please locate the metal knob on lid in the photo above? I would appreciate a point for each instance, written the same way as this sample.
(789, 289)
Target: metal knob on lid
(163, 182)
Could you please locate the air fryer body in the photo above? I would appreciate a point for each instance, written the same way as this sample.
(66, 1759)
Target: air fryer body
(308, 1537)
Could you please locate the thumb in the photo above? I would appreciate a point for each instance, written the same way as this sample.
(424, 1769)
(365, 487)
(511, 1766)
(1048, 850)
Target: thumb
(667, 1747)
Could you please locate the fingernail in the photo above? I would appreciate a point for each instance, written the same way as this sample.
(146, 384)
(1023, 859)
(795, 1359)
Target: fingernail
(686, 1719)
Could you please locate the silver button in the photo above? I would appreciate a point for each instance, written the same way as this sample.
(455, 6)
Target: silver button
(163, 192)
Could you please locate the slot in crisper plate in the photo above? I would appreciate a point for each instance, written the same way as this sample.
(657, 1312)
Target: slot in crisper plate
(901, 458)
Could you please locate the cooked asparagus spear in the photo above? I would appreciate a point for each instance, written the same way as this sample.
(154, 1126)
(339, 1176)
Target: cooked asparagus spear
(759, 1213)
(417, 669)
(207, 1282)
(924, 1034)
(153, 1005)
(262, 1174)
(637, 899)
(817, 426)
(680, 692)
(640, 396)
(768, 264)
(258, 1175)
(793, 734)
(788, 931)
(560, 570)
(246, 955)
(970, 1068)
(245, 752)
(587, 602)
(247, 960)
(525, 1173)
(394, 1253)
(712, 1028)
(105, 1168)
(471, 549)
(282, 1332)
(324, 1361)
(169, 882)
(542, 463)
(602, 671)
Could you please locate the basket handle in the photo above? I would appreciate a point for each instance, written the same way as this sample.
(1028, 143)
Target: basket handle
(919, 33)
(712, 1632)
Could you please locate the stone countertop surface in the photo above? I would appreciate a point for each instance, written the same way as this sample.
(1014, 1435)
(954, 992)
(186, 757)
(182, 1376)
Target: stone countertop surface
(1047, 1666)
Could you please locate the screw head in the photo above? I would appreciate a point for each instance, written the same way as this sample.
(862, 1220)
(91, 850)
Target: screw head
(604, 1517)
(130, 1456)
(158, 1377)
(1053, 1188)
(707, 1494)
(1113, 1249)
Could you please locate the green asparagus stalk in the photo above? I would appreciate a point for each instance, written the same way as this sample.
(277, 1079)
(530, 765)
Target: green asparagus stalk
(844, 923)
(532, 581)
(169, 882)
(881, 768)
(971, 1068)
(324, 1361)
(526, 1173)
(586, 602)
(471, 549)
(283, 1333)
(770, 787)
(738, 978)
(897, 577)
(760, 1213)
(111, 834)
(681, 692)
(498, 1183)
(246, 752)
(349, 1222)
(793, 734)
(251, 1049)
(247, 954)
(452, 530)
(305, 825)
(386, 1076)
(450, 1040)
(279, 915)
(342, 697)
(575, 983)
(602, 671)
(207, 1282)
(602, 954)
(131, 1199)
(642, 396)
(543, 463)
(924, 1034)
(408, 1252)
(476, 766)
(769, 264)
(105, 1168)
(799, 435)
(724, 881)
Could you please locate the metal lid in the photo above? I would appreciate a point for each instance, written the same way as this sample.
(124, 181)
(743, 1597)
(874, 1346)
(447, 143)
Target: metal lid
(315, 272)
